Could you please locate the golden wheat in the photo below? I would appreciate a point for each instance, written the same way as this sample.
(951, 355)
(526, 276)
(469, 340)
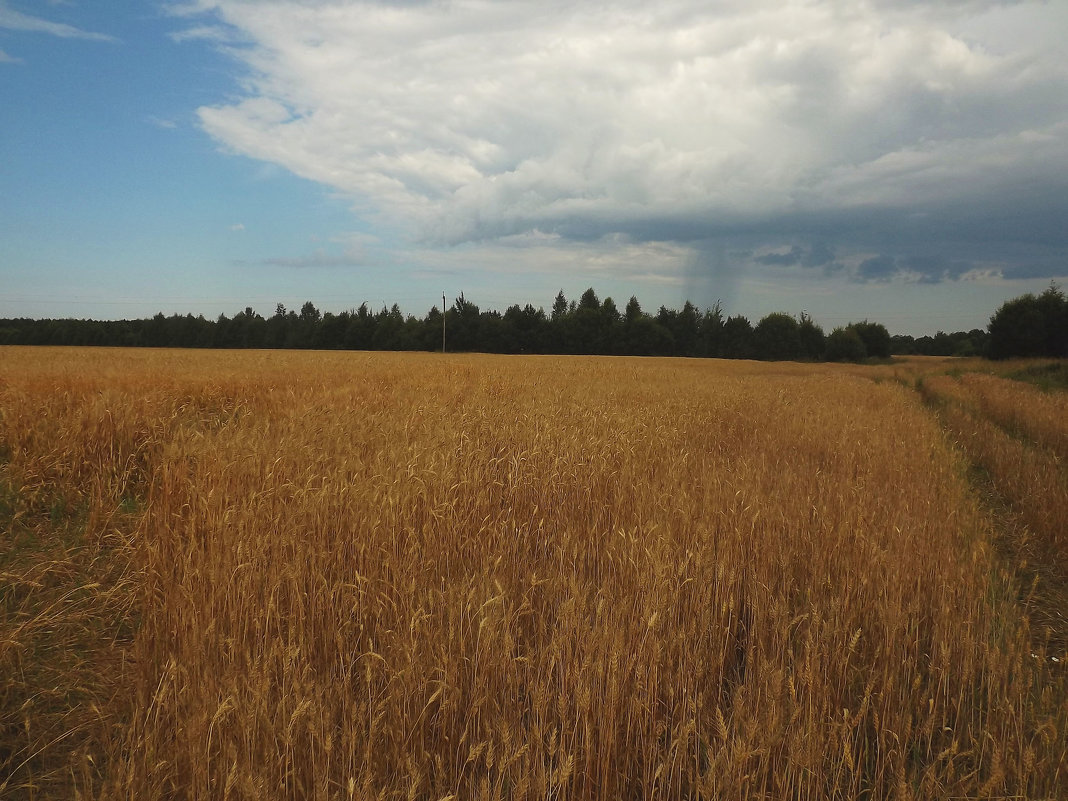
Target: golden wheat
(413, 576)
(1021, 452)
(1022, 410)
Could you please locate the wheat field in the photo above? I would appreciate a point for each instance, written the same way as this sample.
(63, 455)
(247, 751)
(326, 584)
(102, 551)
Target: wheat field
(297, 575)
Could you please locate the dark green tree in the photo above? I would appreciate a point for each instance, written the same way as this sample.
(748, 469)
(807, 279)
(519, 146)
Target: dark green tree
(429, 336)
(1031, 326)
(684, 327)
(812, 338)
(392, 331)
(559, 307)
(585, 332)
(611, 328)
(589, 300)
(1017, 329)
(462, 324)
(278, 328)
(777, 338)
(710, 333)
(1054, 308)
(641, 335)
(845, 345)
(330, 333)
(360, 331)
(526, 329)
(738, 338)
(646, 337)
(875, 337)
(902, 344)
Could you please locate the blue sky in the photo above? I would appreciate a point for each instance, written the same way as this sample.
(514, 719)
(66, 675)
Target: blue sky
(892, 160)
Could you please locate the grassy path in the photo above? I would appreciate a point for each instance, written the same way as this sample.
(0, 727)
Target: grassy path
(1015, 439)
(66, 623)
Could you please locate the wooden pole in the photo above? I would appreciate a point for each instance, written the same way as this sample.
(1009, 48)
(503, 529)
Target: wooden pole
(442, 322)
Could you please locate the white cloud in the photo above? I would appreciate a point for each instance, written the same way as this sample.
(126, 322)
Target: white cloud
(9, 59)
(931, 171)
(162, 122)
(472, 121)
(17, 21)
(237, 227)
(559, 260)
(206, 33)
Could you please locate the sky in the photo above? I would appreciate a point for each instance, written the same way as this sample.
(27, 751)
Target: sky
(892, 160)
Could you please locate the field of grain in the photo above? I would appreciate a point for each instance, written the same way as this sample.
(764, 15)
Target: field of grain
(1015, 437)
(262, 575)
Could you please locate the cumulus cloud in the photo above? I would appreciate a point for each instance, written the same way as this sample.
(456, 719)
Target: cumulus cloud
(17, 21)
(924, 268)
(472, 122)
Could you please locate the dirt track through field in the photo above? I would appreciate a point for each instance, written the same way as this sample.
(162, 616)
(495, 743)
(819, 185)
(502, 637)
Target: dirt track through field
(1031, 545)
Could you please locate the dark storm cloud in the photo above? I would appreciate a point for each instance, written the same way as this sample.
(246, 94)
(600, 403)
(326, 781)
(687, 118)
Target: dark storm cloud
(1036, 270)
(807, 132)
(819, 255)
(877, 268)
(788, 259)
(933, 269)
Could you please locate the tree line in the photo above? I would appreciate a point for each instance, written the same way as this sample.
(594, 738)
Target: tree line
(584, 326)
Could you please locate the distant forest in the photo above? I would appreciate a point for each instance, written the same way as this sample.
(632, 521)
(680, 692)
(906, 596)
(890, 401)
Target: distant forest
(1025, 326)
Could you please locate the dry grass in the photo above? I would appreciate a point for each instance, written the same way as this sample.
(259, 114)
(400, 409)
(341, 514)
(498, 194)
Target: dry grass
(1021, 453)
(1022, 410)
(1016, 436)
(383, 576)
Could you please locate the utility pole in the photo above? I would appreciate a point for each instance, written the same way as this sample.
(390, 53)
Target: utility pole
(443, 322)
